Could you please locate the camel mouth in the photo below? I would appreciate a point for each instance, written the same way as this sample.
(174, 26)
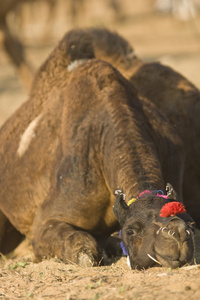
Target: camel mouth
(162, 261)
(169, 262)
(183, 254)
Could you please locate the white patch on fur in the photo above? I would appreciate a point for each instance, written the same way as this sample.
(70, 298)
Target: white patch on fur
(27, 136)
(74, 64)
(131, 55)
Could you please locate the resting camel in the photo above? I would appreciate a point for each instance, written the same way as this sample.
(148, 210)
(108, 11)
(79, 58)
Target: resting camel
(85, 141)
(175, 96)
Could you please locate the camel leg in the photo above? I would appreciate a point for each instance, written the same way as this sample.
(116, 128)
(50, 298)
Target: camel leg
(61, 240)
(10, 237)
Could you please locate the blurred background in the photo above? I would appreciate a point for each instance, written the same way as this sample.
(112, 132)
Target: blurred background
(159, 30)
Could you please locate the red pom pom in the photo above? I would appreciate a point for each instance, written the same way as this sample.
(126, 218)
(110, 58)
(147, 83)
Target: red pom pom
(172, 209)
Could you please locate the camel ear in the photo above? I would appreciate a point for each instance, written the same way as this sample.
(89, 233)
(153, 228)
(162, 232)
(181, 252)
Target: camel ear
(171, 193)
(120, 208)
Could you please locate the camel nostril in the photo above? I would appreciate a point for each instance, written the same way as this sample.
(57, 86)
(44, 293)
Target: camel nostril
(182, 234)
(176, 229)
(171, 233)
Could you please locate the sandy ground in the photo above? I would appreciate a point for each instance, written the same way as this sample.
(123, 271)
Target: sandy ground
(22, 279)
(154, 37)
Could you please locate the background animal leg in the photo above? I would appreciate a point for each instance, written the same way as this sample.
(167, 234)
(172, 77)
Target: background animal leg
(15, 51)
(59, 239)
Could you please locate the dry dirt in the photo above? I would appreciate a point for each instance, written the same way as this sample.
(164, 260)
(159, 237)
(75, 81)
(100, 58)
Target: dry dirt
(155, 37)
(51, 279)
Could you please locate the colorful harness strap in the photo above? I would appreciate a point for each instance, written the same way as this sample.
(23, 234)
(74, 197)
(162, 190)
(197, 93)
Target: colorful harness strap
(147, 192)
(131, 201)
(157, 193)
(123, 247)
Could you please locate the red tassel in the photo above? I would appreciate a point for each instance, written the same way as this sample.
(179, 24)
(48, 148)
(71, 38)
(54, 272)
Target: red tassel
(172, 209)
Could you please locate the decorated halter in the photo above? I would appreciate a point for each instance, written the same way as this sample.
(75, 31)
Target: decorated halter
(170, 209)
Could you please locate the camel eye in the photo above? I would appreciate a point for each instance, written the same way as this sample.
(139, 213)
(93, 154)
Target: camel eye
(131, 232)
